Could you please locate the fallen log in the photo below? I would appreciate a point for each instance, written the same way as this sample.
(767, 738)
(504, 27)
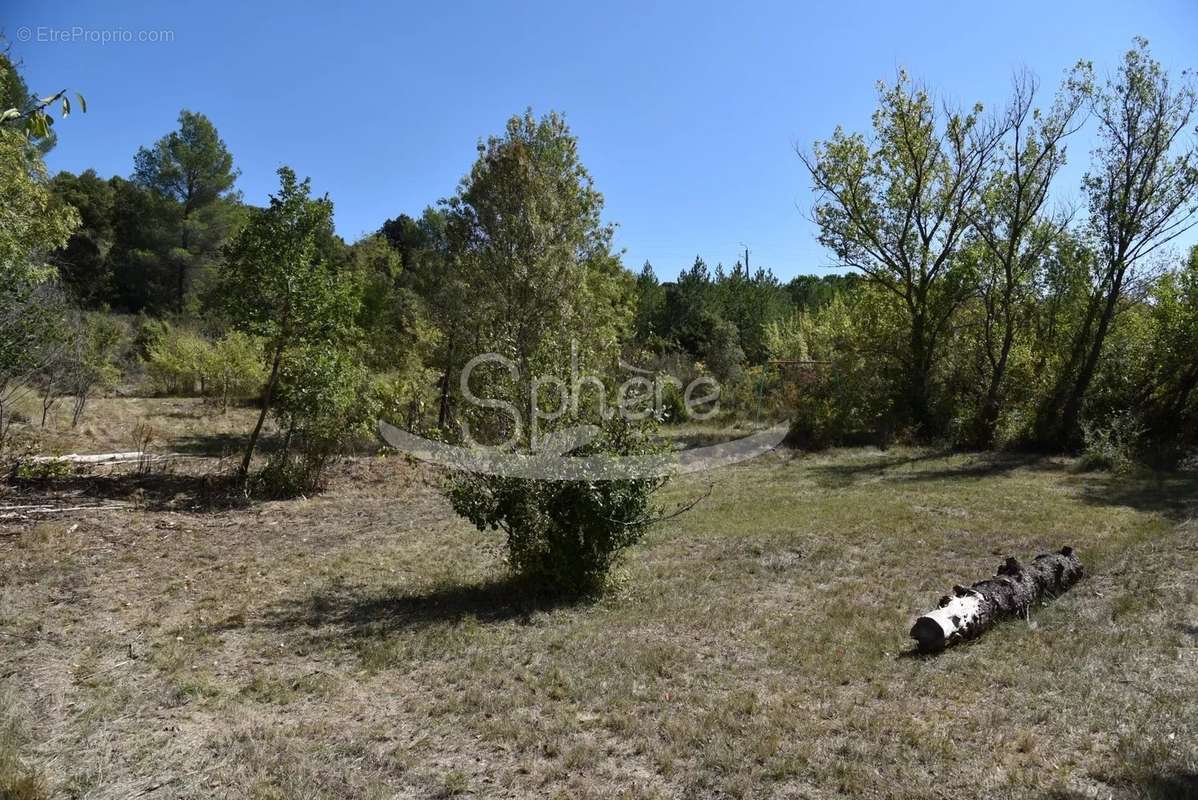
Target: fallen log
(1012, 592)
(132, 457)
(97, 458)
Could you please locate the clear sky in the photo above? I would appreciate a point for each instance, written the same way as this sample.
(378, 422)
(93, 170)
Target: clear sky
(687, 113)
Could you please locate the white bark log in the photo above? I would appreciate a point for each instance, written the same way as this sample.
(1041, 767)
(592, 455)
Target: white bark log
(110, 458)
(1012, 592)
(98, 458)
(952, 619)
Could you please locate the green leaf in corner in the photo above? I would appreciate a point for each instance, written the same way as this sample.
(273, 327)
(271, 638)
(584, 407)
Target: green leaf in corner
(82, 102)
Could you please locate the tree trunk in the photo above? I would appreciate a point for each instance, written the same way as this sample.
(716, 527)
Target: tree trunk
(244, 472)
(1012, 592)
(181, 271)
(1073, 405)
(1048, 415)
(80, 404)
(918, 388)
(443, 411)
(992, 404)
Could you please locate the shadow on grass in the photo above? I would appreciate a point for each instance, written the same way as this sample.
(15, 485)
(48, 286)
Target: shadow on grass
(691, 439)
(846, 472)
(842, 474)
(219, 444)
(1172, 494)
(1180, 785)
(154, 491)
(359, 613)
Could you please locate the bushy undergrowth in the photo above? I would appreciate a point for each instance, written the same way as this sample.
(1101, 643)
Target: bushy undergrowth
(1112, 446)
(564, 536)
(182, 362)
(322, 408)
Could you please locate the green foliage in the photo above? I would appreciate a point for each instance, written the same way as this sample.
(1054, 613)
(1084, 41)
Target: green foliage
(83, 264)
(91, 359)
(32, 316)
(280, 282)
(35, 222)
(1139, 191)
(177, 361)
(530, 251)
(188, 176)
(853, 396)
(25, 112)
(650, 304)
(274, 281)
(564, 536)
(673, 403)
(1113, 445)
(1171, 417)
(46, 470)
(152, 243)
(234, 368)
(404, 396)
(722, 353)
(527, 243)
(813, 292)
(920, 172)
(191, 165)
(786, 338)
(318, 404)
(526, 233)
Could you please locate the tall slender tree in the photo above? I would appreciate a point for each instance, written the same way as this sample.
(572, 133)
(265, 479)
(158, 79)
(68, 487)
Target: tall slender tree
(897, 207)
(1142, 193)
(1013, 231)
(277, 284)
(526, 234)
(192, 167)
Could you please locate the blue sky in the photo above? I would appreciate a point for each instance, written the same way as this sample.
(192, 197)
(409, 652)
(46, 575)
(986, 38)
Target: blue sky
(687, 113)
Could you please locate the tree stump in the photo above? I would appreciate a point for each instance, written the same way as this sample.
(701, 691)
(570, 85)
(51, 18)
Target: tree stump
(967, 613)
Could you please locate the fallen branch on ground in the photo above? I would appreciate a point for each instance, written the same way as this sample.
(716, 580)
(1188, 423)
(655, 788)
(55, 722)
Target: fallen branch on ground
(1012, 592)
(110, 458)
(9, 513)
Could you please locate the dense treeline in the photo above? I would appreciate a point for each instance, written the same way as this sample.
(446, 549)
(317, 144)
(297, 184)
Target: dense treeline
(981, 302)
(990, 315)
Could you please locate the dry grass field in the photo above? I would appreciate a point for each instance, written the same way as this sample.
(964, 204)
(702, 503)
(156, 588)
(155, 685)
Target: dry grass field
(365, 643)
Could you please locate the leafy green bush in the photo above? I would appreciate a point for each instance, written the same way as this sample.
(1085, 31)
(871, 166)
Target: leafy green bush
(178, 361)
(92, 359)
(29, 470)
(181, 362)
(320, 408)
(850, 397)
(673, 403)
(233, 368)
(1112, 446)
(405, 396)
(564, 536)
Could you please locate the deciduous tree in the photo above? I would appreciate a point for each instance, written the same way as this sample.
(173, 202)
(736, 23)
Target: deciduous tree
(1142, 193)
(277, 284)
(897, 207)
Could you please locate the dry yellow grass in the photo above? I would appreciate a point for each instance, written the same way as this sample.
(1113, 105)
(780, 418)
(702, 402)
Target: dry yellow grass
(364, 644)
(115, 424)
